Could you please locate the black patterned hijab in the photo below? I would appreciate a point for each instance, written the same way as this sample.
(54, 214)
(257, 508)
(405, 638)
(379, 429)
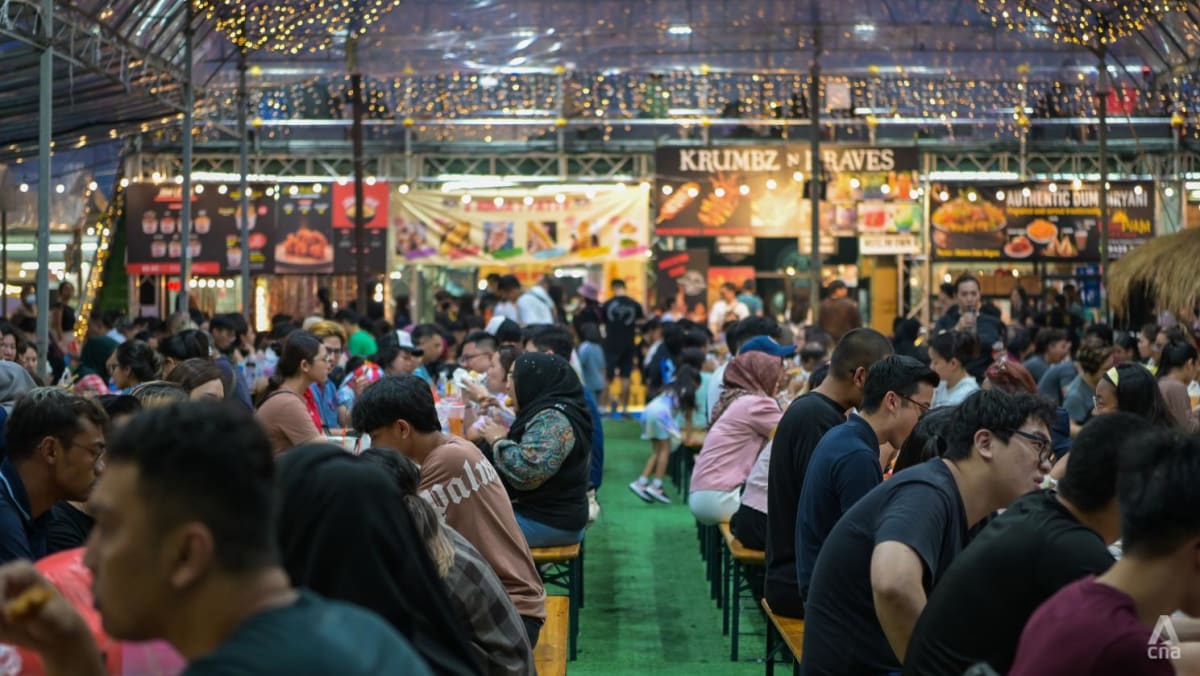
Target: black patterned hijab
(345, 533)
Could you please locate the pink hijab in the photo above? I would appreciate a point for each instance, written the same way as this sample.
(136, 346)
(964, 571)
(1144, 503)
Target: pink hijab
(748, 373)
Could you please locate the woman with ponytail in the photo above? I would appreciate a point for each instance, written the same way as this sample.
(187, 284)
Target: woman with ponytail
(288, 411)
(134, 362)
(1176, 371)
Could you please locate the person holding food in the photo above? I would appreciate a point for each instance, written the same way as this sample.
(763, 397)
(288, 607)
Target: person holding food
(965, 316)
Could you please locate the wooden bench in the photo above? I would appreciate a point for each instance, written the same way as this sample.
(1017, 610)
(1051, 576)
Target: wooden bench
(736, 557)
(791, 630)
(550, 655)
(563, 566)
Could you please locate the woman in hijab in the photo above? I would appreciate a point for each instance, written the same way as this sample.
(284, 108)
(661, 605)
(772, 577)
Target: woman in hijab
(15, 381)
(743, 421)
(543, 458)
(92, 374)
(497, 632)
(345, 533)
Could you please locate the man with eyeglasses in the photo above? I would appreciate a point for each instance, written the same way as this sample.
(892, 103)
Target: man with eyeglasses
(477, 351)
(1042, 542)
(54, 448)
(849, 461)
(872, 577)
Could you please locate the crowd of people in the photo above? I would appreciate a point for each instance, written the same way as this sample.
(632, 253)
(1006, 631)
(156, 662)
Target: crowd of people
(185, 496)
(211, 462)
(1003, 498)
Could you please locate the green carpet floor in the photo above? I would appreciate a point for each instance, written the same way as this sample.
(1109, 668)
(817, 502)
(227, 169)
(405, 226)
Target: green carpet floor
(647, 606)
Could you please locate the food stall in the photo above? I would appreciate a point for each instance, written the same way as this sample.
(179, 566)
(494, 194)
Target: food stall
(749, 208)
(577, 234)
(1040, 235)
(301, 237)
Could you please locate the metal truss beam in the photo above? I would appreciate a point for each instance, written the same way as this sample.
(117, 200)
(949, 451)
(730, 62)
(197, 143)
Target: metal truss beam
(591, 166)
(329, 161)
(1049, 164)
(91, 45)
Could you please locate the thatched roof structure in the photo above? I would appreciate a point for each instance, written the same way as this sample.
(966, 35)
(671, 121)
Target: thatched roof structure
(1166, 268)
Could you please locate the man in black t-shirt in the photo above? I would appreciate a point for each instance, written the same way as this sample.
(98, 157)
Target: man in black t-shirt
(890, 550)
(621, 316)
(184, 551)
(1043, 542)
(802, 426)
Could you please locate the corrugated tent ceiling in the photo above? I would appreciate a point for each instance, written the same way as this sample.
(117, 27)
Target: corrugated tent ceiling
(736, 35)
(121, 60)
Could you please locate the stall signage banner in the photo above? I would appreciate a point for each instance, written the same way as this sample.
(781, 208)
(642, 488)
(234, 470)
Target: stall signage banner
(316, 229)
(375, 227)
(155, 244)
(760, 191)
(516, 227)
(1038, 221)
(305, 231)
(682, 278)
(735, 247)
(896, 244)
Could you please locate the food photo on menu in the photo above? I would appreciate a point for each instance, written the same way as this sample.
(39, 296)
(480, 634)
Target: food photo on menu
(305, 248)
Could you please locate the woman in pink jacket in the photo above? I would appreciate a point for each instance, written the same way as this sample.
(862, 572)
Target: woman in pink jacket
(743, 421)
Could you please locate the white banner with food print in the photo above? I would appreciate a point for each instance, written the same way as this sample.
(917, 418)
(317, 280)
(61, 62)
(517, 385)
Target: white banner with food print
(521, 226)
(762, 191)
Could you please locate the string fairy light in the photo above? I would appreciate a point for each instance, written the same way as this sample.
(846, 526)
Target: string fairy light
(105, 228)
(1091, 23)
(291, 27)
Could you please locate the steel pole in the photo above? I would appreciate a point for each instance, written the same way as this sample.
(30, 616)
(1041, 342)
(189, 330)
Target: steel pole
(1103, 86)
(243, 186)
(814, 110)
(360, 254)
(185, 214)
(45, 134)
(4, 260)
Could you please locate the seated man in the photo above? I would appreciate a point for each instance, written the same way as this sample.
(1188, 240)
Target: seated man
(1121, 622)
(805, 421)
(849, 460)
(464, 488)
(1043, 542)
(890, 550)
(183, 550)
(55, 441)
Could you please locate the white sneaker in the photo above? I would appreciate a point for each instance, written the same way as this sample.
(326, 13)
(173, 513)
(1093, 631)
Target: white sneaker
(640, 489)
(656, 492)
(593, 506)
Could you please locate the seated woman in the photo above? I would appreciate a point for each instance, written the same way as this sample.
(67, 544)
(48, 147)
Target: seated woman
(949, 354)
(493, 394)
(1011, 376)
(91, 376)
(1132, 388)
(1129, 387)
(744, 420)
(200, 378)
(749, 523)
(133, 362)
(927, 440)
(497, 631)
(289, 411)
(179, 347)
(345, 533)
(1176, 371)
(158, 394)
(1092, 359)
(543, 459)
